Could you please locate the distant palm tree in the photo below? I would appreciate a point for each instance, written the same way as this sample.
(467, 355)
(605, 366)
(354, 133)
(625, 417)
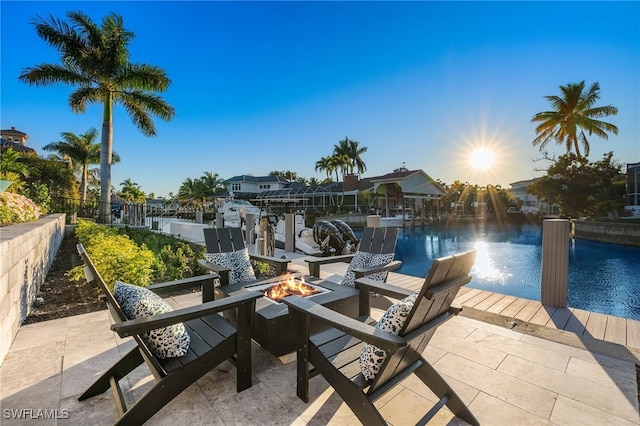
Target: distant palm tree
(95, 59)
(286, 174)
(80, 151)
(131, 191)
(189, 190)
(341, 163)
(353, 151)
(573, 114)
(325, 164)
(208, 185)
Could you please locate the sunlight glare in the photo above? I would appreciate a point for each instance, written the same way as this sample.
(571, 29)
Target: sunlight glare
(482, 159)
(483, 266)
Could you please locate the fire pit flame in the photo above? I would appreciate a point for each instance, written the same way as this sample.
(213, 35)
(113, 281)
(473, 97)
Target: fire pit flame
(289, 286)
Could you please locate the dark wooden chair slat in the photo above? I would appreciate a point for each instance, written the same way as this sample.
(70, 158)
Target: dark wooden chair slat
(228, 240)
(336, 357)
(366, 238)
(212, 341)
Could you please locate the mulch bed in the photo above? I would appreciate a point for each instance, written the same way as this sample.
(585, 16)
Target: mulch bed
(62, 296)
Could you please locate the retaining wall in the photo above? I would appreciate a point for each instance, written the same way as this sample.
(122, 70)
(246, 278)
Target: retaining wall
(608, 232)
(27, 251)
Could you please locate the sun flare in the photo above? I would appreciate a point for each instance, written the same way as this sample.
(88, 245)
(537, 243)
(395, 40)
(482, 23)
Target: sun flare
(482, 159)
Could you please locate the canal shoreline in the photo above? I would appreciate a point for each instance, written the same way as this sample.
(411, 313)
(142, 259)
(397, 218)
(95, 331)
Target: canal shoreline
(627, 234)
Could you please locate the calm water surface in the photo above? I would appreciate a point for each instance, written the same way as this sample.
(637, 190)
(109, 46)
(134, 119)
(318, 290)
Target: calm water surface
(603, 278)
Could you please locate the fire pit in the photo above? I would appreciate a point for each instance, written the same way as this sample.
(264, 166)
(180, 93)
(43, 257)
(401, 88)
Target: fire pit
(272, 327)
(289, 285)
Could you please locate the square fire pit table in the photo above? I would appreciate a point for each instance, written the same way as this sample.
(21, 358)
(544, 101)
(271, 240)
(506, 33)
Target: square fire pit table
(272, 328)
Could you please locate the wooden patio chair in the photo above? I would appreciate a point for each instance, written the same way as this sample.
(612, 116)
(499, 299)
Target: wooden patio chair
(229, 242)
(374, 255)
(212, 341)
(336, 353)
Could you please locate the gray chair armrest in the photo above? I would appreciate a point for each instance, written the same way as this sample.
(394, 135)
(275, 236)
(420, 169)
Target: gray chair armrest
(365, 332)
(390, 290)
(206, 283)
(361, 272)
(315, 262)
(221, 271)
(141, 325)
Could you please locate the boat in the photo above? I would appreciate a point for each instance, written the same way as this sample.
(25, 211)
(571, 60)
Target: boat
(304, 241)
(326, 237)
(234, 211)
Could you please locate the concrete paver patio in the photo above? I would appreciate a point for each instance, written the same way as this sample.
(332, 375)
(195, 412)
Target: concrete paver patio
(525, 372)
(506, 377)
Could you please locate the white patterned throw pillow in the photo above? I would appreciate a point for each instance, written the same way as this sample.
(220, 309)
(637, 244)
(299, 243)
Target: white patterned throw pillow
(237, 261)
(360, 259)
(380, 260)
(363, 259)
(392, 321)
(137, 302)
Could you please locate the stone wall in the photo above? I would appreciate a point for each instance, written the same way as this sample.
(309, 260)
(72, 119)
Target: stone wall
(608, 232)
(27, 251)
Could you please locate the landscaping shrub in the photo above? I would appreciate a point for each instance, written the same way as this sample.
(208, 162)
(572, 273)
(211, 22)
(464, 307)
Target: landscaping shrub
(87, 230)
(177, 259)
(137, 256)
(115, 256)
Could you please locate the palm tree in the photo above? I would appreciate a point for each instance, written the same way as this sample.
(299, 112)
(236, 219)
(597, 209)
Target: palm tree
(208, 185)
(573, 114)
(341, 162)
(11, 168)
(80, 151)
(353, 150)
(95, 59)
(131, 191)
(325, 164)
(188, 191)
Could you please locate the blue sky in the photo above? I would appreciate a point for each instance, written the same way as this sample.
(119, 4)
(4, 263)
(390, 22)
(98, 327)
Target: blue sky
(262, 86)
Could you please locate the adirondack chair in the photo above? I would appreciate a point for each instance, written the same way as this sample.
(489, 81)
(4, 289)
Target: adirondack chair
(374, 256)
(336, 353)
(230, 241)
(212, 341)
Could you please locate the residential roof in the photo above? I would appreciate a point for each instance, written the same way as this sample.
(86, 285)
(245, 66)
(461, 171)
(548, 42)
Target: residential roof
(257, 179)
(18, 147)
(13, 132)
(294, 190)
(414, 183)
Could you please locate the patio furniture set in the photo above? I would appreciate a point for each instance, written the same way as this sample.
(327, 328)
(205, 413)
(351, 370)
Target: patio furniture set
(331, 331)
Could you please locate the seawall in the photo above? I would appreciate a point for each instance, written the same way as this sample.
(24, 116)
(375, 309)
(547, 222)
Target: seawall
(608, 232)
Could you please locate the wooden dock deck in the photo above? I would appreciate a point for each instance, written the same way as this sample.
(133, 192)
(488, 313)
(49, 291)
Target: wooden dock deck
(524, 314)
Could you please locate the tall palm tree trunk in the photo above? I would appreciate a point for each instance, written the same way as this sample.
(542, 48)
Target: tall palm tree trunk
(106, 148)
(83, 185)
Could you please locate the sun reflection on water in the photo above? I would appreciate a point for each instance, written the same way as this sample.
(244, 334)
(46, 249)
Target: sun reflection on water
(483, 267)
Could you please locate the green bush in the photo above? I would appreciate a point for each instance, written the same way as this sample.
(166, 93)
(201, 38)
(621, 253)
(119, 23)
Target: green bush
(262, 268)
(137, 256)
(177, 259)
(115, 256)
(87, 231)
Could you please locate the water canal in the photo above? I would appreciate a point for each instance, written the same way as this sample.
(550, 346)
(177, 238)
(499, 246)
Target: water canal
(602, 278)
